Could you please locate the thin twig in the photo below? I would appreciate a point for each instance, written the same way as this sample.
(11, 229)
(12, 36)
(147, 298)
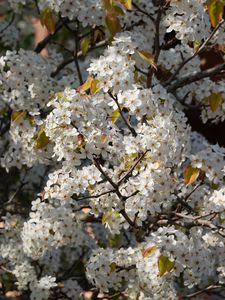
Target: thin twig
(141, 71)
(206, 223)
(126, 217)
(71, 59)
(21, 185)
(194, 189)
(120, 196)
(133, 167)
(182, 101)
(42, 44)
(113, 184)
(37, 7)
(9, 24)
(143, 11)
(132, 130)
(65, 22)
(209, 288)
(76, 57)
(156, 46)
(95, 196)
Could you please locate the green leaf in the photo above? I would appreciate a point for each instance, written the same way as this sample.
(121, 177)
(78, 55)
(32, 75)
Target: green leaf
(115, 241)
(113, 23)
(215, 9)
(42, 140)
(148, 57)
(215, 101)
(190, 175)
(7, 279)
(165, 265)
(84, 45)
(47, 19)
(116, 114)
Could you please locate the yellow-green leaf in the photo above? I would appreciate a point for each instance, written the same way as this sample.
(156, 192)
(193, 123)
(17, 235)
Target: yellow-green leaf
(94, 87)
(148, 251)
(165, 265)
(115, 115)
(127, 4)
(215, 8)
(196, 45)
(47, 19)
(117, 11)
(128, 161)
(113, 267)
(86, 85)
(98, 35)
(108, 4)
(190, 175)
(115, 241)
(84, 45)
(42, 139)
(108, 215)
(148, 57)
(17, 115)
(113, 23)
(61, 96)
(215, 101)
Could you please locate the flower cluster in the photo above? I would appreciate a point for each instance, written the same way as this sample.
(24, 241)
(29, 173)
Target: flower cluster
(130, 201)
(49, 226)
(25, 80)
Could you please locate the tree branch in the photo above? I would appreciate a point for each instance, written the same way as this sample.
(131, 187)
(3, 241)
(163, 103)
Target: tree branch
(41, 45)
(185, 80)
(9, 24)
(143, 11)
(76, 57)
(120, 196)
(156, 46)
(207, 289)
(132, 130)
(71, 59)
(199, 51)
(133, 167)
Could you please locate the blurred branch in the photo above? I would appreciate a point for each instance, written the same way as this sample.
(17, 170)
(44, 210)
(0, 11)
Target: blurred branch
(42, 44)
(199, 51)
(157, 47)
(79, 54)
(207, 289)
(9, 24)
(132, 130)
(185, 80)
